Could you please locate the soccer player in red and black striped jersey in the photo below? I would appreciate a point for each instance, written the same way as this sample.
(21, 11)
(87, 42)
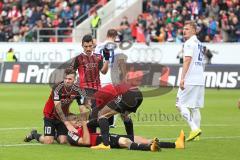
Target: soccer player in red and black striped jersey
(57, 109)
(85, 137)
(89, 66)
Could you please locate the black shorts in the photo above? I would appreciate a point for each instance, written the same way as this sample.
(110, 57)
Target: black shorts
(129, 101)
(54, 127)
(114, 140)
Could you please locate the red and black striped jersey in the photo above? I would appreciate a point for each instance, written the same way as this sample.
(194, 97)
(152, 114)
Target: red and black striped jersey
(66, 96)
(88, 69)
(93, 136)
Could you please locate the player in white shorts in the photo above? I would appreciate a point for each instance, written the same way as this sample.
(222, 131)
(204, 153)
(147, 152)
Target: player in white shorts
(190, 96)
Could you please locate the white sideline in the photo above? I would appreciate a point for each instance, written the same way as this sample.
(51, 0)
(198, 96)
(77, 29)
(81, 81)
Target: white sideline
(137, 125)
(21, 145)
(164, 139)
(179, 125)
(211, 138)
(18, 128)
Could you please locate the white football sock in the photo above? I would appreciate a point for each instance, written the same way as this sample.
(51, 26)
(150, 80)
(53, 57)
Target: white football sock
(196, 116)
(187, 116)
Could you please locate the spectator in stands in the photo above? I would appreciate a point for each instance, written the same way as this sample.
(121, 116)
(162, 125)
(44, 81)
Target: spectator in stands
(2, 35)
(36, 15)
(85, 6)
(19, 17)
(212, 28)
(125, 30)
(77, 12)
(213, 9)
(224, 25)
(61, 32)
(179, 36)
(56, 21)
(171, 33)
(67, 13)
(162, 35)
(140, 37)
(234, 29)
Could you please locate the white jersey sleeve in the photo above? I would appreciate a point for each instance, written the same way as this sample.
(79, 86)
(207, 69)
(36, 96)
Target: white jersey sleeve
(188, 49)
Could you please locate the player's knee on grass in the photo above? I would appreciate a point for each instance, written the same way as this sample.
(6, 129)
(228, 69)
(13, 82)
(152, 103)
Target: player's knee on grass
(48, 140)
(62, 139)
(124, 142)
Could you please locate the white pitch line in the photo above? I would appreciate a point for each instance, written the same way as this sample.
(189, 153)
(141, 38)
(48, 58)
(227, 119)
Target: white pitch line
(163, 139)
(178, 125)
(209, 138)
(18, 128)
(136, 125)
(20, 145)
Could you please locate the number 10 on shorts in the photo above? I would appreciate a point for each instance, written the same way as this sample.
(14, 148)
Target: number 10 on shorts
(47, 130)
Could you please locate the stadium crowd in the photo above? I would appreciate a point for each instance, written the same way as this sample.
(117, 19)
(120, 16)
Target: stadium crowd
(162, 21)
(17, 17)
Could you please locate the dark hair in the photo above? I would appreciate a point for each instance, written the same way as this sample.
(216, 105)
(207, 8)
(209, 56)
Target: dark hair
(112, 33)
(87, 38)
(70, 71)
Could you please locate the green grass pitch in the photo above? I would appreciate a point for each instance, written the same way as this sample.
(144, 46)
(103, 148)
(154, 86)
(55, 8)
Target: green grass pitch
(21, 109)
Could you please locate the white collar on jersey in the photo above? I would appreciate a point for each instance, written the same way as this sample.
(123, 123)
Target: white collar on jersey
(87, 54)
(193, 37)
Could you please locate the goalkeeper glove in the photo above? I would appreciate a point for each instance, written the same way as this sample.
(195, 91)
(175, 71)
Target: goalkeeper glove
(106, 54)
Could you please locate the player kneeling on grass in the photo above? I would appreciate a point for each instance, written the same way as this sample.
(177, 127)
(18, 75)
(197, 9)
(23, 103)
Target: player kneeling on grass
(57, 108)
(85, 137)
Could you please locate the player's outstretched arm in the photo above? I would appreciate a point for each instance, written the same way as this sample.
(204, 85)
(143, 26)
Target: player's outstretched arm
(63, 118)
(86, 134)
(74, 64)
(104, 69)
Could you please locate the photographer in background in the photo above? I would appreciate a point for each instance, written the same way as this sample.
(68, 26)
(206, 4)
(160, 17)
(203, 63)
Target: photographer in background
(180, 56)
(208, 55)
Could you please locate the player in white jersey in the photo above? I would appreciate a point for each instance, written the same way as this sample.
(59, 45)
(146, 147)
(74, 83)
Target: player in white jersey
(190, 96)
(117, 60)
(117, 64)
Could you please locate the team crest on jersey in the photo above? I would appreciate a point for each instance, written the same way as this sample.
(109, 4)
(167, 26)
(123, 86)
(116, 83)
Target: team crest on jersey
(90, 66)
